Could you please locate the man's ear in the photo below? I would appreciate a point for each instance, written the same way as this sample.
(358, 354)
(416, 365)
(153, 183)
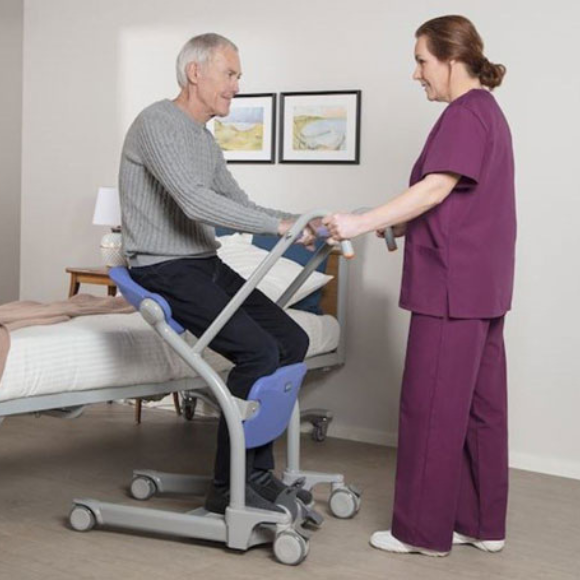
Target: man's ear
(192, 72)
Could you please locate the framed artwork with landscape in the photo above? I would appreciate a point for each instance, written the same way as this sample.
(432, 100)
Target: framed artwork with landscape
(248, 133)
(320, 127)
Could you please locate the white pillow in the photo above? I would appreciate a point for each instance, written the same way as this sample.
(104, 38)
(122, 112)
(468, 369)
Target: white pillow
(241, 255)
(236, 238)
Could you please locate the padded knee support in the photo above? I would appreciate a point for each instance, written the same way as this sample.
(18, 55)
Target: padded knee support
(277, 394)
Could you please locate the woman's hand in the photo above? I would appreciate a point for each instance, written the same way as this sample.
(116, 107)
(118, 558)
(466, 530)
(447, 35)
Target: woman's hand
(344, 226)
(399, 231)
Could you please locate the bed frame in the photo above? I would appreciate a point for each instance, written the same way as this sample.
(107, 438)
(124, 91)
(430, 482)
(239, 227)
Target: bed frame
(71, 405)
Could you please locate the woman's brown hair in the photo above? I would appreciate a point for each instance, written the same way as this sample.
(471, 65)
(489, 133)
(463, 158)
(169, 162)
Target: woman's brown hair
(455, 37)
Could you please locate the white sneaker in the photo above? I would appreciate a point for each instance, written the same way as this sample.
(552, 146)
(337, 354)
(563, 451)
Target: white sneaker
(386, 541)
(484, 545)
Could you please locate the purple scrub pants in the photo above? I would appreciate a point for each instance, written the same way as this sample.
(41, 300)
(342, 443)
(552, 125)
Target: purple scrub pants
(452, 462)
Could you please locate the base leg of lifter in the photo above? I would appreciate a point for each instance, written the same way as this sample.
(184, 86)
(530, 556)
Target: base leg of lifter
(344, 500)
(239, 528)
(293, 471)
(197, 524)
(159, 482)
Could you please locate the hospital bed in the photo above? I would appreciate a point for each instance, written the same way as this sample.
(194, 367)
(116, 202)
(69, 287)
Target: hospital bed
(60, 368)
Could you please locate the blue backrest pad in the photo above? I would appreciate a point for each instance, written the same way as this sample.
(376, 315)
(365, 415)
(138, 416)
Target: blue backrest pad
(135, 294)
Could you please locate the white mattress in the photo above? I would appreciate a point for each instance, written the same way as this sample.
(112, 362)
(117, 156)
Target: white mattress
(114, 350)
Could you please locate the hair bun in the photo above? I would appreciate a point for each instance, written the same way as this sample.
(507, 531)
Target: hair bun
(490, 74)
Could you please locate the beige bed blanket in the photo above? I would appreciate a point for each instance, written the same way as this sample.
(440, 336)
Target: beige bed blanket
(14, 315)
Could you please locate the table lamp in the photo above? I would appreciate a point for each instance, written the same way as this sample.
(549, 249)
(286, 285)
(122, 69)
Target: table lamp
(108, 213)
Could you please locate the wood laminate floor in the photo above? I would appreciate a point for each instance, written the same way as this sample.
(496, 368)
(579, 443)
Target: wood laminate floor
(45, 463)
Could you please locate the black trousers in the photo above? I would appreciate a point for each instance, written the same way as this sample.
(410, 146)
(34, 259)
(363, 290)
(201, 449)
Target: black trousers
(258, 339)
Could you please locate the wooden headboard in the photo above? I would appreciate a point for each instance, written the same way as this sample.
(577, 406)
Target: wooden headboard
(329, 300)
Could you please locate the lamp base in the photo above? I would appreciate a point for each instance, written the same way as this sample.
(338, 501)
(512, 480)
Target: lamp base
(111, 250)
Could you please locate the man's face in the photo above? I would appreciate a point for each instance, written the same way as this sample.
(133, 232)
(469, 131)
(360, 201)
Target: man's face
(217, 82)
(432, 73)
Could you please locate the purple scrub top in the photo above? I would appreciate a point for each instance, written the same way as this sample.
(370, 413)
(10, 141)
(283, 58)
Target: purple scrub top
(459, 256)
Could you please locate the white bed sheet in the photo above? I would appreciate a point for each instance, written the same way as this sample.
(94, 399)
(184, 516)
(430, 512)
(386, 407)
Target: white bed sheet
(114, 350)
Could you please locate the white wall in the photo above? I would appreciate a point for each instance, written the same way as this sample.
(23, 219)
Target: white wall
(11, 23)
(90, 67)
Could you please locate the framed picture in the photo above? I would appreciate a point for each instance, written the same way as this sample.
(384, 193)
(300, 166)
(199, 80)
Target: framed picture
(320, 127)
(247, 134)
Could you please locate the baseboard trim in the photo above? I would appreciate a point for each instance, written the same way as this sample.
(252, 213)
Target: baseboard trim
(524, 461)
(545, 465)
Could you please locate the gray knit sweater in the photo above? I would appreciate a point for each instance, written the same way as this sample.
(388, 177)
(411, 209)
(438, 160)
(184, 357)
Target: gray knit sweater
(174, 186)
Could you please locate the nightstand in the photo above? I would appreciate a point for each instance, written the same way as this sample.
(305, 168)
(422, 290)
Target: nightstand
(99, 276)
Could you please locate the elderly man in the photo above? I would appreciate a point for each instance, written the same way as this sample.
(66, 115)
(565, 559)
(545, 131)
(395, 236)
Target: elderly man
(174, 188)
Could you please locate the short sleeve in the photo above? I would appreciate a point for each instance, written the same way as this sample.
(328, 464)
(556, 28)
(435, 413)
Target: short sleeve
(458, 145)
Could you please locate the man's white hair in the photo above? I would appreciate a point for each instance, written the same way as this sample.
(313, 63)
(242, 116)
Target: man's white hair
(199, 49)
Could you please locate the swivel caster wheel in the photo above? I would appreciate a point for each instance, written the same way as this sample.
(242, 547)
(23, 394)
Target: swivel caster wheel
(290, 548)
(142, 488)
(82, 519)
(344, 502)
(319, 430)
(189, 406)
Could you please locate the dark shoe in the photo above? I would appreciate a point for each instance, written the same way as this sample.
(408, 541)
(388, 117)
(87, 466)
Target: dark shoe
(270, 487)
(218, 499)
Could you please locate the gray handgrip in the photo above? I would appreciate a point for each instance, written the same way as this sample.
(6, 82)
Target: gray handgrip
(347, 249)
(390, 239)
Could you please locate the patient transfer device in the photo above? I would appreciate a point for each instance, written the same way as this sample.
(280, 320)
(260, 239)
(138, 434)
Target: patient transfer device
(271, 408)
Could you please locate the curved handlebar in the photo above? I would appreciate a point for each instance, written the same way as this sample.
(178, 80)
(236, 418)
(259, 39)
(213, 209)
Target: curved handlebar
(346, 245)
(285, 242)
(322, 232)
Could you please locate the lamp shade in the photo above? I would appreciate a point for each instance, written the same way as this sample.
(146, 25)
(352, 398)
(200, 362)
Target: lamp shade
(107, 208)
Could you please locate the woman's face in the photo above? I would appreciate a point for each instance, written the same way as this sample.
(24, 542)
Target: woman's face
(433, 74)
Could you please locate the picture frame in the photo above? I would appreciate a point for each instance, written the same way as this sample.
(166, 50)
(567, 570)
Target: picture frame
(248, 133)
(320, 127)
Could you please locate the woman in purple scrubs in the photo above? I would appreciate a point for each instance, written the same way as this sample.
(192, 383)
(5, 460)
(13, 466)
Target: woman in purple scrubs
(459, 219)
